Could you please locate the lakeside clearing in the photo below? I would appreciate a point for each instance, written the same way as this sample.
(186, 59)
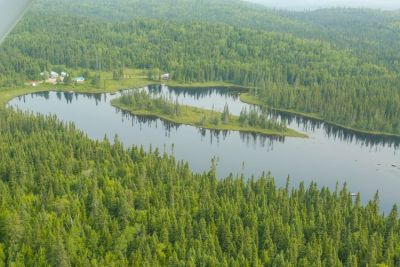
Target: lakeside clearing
(133, 78)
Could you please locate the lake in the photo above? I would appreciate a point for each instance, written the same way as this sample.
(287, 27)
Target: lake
(330, 155)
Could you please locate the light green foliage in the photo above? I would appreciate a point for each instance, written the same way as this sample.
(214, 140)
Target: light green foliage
(255, 118)
(144, 101)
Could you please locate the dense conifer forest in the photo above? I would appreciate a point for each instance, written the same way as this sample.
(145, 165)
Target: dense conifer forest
(371, 34)
(67, 200)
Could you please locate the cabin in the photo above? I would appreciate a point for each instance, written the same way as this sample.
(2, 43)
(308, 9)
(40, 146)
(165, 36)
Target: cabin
(79, 79)
(54, 75)
(165, 76)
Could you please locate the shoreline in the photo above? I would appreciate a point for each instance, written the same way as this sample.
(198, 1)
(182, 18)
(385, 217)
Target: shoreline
(7, 94)
(249, 99)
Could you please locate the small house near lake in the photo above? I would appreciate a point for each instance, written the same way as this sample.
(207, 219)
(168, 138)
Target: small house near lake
(165, 76)
(54, 75)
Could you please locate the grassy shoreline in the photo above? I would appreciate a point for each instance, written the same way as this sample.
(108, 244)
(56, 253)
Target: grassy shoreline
(193, 115)
(252, 100)
(136, 79)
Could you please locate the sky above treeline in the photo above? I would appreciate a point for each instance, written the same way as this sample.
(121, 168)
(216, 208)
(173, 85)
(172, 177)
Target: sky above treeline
(315, 4)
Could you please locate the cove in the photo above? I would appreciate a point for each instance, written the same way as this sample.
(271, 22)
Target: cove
(330, 155)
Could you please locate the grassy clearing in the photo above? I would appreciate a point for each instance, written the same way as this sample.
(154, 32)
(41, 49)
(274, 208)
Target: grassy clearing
(133, 78)
(6, 94)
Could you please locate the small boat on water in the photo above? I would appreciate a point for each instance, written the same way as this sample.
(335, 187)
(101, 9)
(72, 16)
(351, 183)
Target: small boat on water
(394, 165)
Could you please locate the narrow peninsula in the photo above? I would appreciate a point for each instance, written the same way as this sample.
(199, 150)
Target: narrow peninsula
(250, 121)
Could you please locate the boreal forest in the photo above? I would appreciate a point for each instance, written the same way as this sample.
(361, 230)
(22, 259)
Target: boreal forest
(68, 200)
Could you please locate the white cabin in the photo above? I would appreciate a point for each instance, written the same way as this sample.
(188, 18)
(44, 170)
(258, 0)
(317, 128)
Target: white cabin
(165, 76)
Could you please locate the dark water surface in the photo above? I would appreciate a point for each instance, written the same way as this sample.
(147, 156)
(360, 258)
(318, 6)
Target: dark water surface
(329, 156)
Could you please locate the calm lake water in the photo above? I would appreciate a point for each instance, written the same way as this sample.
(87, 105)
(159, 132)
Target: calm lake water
(329, 156)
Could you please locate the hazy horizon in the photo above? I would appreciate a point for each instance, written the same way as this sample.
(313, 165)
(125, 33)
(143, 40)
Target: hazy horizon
(316, 4)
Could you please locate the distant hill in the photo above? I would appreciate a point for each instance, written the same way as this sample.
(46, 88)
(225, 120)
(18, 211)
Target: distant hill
(318, 4)
(372, 35)
(232, 12)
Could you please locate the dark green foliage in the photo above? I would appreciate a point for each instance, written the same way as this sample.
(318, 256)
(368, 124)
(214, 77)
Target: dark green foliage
(372, 35)
(225, 114)
(373, 104)
(69, 201)
(234, 12)
(255, 118)
(67, 79)
(144, 101)
(190, 51)
(96, 81)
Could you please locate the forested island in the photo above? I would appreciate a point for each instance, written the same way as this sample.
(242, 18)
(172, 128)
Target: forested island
(250, 121)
